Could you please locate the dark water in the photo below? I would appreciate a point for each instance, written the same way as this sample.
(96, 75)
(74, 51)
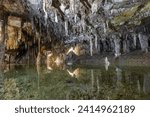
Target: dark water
(26, 82)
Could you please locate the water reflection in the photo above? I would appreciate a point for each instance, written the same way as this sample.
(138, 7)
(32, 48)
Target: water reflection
(75, 83)
(107, 63)
(75, 73)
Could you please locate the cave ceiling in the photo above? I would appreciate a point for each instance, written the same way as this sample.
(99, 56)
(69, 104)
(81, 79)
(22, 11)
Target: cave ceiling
(77, 20)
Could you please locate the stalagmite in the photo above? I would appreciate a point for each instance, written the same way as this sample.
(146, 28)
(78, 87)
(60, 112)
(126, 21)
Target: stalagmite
(91, 47)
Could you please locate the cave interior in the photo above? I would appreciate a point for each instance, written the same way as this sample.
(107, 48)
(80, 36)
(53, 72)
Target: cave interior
(76, 30)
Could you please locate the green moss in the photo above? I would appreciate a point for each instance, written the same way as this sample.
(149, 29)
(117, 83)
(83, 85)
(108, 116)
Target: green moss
(131, 15)
(125, 16)
(146, 7)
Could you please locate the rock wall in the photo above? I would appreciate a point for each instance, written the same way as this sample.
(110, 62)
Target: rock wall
(99, 26)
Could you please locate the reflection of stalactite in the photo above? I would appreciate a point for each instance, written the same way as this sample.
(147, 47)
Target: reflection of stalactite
(49, 62)
(38, 59)
(107, 63)
(75, 73)
(138, 86)
(1, 82)
(38, 66)
(58, 61)
(92, 78)
(119, 76)
(146, 86)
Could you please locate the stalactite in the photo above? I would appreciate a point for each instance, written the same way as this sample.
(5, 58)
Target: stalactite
(1, 34)
(75, 18)
(83, 24)
(96, 45)
(104, 25)
(72, 6)
(117, 47)
(144, 42)
(62, 7)
(56, 17)
(91, 47)
(66, 28)
(44, 9)
(94, 7)
(134, 39)
(126, 45)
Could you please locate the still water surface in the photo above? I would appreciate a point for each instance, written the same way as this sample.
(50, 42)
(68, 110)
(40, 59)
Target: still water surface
(26, 82)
